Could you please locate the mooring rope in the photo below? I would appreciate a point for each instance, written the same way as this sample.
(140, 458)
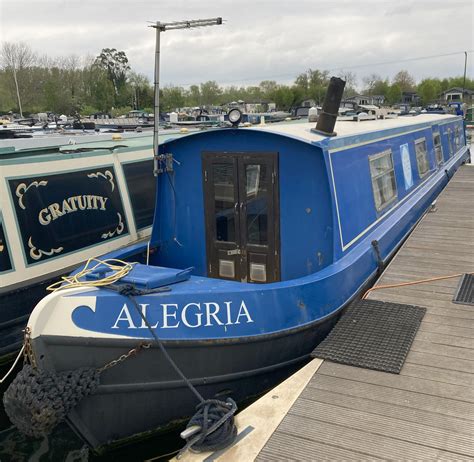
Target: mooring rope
(214, 419)
(411, 283)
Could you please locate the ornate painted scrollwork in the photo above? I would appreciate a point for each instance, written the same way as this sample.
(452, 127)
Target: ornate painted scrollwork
(36, 253)
(107, 175)
(118, 230)
(22, 188)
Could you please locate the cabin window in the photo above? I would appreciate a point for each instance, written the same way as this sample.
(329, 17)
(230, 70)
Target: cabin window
(450, 142)
(141, 186)
(438, 148)
(5, 262)
(383, 179)
(457, 137)
(422, 157)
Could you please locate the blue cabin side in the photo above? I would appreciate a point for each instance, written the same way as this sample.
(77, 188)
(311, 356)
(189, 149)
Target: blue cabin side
(348, 159)
(327, 205)
(304, 200)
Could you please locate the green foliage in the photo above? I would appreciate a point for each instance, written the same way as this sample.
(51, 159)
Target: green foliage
(172, 98)
(394, 94)
(88, 110)
(115, 63)
(404, 81)
(67, 85)
(120, 111)
(429, 90)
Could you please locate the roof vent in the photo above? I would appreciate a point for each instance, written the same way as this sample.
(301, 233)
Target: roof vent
(332, 101)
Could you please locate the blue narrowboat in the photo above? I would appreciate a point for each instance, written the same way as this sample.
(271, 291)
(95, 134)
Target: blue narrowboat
(261, 237)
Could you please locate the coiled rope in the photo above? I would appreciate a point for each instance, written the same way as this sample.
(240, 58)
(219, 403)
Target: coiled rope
(117, 268)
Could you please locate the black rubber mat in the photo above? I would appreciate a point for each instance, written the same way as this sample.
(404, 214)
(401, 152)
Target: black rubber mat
(465, 292)
(372, 334)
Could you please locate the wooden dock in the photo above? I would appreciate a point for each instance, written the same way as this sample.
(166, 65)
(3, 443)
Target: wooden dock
(424, 413)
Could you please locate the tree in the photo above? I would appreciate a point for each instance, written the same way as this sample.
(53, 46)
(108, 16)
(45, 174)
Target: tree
(351, 81)
(172, 98)
(381, 87)
(429, 90)
(115, 63)
(404, 80)
(267, 88)
(194, 96)
(210, 93)
(140, 91)
(16, 58)
(314, 83)
(394, 94)
(283, 97)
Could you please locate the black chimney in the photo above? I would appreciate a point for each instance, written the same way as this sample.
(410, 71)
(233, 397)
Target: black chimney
(332, 101)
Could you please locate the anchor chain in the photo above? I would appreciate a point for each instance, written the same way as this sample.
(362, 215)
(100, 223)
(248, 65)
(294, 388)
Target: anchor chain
(125, 356)
(28, 353)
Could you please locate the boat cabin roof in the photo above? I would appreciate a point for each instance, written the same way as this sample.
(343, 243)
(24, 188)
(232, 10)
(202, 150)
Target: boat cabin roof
(348, 129)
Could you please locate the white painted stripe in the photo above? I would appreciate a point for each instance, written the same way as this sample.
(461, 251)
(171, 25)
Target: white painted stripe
(375, 140)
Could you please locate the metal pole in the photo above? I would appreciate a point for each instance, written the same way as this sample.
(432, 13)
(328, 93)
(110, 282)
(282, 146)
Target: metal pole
(156, 109)
(17, 91)
(464, 80)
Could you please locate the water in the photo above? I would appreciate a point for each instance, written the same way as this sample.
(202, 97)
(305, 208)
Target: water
(64, 445)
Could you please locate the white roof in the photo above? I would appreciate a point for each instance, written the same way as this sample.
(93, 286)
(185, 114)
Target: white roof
(302, 129)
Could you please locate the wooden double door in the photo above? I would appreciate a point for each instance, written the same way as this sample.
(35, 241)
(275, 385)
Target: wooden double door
(242, 216)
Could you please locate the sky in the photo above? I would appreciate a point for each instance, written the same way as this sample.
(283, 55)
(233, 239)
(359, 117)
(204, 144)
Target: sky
(259, 40)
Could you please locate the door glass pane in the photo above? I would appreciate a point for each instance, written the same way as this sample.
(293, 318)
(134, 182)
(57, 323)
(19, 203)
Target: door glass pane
(223, 175)
(257, 191)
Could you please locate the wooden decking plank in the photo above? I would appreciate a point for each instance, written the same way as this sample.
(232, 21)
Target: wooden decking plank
(401, 412)
(449, 321)
(442, 292)
(439, 375)
(448, 330)
(441, 339)
(385, 426)
(433, 258)
(442, 362)
(442, 284)
(352, 439)
(413, 384)
(293, 447)
(392, 395)
(443, 350)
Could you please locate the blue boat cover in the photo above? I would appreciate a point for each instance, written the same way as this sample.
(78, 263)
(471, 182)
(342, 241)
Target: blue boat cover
(147, 277)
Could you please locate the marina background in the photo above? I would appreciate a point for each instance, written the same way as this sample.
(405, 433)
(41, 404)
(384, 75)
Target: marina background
(103, 62)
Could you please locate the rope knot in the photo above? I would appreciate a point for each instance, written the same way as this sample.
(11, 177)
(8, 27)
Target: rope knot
(129, 290)
(214, 426)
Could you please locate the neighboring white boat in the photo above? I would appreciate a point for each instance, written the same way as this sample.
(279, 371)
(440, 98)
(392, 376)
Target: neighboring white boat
(62, 204)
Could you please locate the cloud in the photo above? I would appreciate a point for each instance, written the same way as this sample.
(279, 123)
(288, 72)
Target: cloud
(259, 40)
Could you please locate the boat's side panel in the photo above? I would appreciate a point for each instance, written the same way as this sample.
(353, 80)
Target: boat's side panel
(355, 211)
(38, 206)
(144, 392)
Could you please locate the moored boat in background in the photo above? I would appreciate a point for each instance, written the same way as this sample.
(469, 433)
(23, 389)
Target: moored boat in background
(61, 204)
